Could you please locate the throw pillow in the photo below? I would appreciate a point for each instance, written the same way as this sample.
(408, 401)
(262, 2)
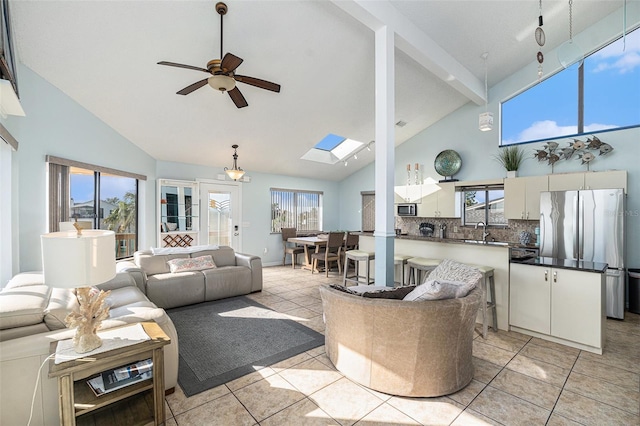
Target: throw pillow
(450, 270)
(191, 264)
(439, 290)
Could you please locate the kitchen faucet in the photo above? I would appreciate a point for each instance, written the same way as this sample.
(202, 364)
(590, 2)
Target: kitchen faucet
(485, 234)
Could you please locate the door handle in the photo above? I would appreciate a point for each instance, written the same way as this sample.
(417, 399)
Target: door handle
(555, 276)
(546, 275)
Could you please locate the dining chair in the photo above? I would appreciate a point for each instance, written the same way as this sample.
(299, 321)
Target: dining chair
(290, 248)
(351, 242)
(330, 254)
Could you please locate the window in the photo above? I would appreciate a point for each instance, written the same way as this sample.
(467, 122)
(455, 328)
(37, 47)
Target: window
(368, 211)
(601, 94)
(97, 197)
(296, 209)
(484, 204)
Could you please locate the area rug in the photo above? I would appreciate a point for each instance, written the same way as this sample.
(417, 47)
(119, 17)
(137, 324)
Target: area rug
(225, 339)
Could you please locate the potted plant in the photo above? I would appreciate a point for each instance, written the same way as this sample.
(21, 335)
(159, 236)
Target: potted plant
(511, 157)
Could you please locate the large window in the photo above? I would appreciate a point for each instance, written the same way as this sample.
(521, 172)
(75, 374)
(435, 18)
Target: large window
(97, 198)
(484, 204)
(296, 209)
(601, 94)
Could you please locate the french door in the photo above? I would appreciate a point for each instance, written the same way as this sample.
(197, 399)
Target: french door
(220, 214)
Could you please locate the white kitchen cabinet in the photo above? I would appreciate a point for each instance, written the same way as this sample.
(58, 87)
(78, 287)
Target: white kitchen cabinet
(565, 304)
(588, 180)
(439, 201)
(522, 196)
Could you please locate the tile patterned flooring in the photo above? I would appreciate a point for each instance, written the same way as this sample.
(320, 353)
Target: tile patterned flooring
(518, 380)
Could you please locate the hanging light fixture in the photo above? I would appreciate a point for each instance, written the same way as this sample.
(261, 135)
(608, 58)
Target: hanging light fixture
(540, 39)
(569, 53)
(485, 121)
(236, 172)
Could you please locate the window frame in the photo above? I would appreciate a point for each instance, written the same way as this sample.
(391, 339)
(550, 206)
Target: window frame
(277, 224)
(580, 111)
(59, 193)
(486, 188)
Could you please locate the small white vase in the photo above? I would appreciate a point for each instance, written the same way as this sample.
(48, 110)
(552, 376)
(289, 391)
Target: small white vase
(512, 173)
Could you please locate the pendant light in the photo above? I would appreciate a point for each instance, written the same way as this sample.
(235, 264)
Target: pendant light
(236, 172)
(485, 121)
(569, 53)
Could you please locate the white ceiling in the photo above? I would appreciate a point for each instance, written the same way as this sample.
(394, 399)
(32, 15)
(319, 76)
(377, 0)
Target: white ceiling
(103, 54)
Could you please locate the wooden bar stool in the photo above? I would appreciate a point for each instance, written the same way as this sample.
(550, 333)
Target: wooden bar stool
(358, 256)
(488, 303)
(420, 264)
(401, 260)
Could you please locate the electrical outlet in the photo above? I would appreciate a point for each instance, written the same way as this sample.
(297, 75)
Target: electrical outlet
(455, 229)
(266, 250)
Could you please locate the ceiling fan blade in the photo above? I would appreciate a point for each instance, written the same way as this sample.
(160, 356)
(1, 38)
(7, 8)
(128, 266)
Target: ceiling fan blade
(195, 86)
(189, 67)
(230, 62)
(237, 98)
(263, 84)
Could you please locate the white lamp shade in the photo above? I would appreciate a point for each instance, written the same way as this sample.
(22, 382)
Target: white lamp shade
(235, 174)
(72, 261)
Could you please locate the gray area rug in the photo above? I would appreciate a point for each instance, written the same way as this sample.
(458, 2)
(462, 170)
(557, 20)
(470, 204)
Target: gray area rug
(222, 340)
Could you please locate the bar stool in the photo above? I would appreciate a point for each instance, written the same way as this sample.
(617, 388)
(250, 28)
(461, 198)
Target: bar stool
(420, 264)
(401, 260)
(358, 256)
(487, 303)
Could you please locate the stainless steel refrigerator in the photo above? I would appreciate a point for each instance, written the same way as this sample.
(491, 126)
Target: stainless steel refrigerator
(587, 225)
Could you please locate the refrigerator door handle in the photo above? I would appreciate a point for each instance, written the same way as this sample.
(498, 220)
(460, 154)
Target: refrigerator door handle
(579, 225)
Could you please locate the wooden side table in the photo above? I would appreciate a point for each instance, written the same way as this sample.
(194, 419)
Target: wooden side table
(76, 398)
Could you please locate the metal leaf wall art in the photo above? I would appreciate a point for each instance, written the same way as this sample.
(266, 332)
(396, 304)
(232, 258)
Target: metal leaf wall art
(580, 150)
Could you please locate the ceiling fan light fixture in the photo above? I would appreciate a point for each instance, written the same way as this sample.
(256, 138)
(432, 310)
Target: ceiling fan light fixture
(220, 82)
(235, 172)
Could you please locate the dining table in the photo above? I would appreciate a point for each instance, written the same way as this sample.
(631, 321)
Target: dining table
(309, 243)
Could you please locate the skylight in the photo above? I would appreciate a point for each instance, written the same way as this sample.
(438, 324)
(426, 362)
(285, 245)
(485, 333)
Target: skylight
(332, 149)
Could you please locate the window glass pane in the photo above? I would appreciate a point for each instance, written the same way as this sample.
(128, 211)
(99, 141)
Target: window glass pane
(496, 207)
(538, 112)
(612, 85)
(474, 207)
(118, 211)
(82, 191)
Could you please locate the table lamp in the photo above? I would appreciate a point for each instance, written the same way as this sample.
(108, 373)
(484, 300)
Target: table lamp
(80, 260)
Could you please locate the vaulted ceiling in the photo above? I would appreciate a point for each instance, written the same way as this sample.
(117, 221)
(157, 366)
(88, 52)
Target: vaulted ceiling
(104, 54)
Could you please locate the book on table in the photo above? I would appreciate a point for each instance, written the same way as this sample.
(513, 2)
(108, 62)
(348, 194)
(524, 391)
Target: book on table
(118, 378)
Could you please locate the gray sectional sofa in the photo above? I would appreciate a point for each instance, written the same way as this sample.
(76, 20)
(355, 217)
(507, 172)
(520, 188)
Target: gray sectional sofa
(234, 274)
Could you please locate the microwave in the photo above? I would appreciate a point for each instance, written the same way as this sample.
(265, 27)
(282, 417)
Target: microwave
(407, 209)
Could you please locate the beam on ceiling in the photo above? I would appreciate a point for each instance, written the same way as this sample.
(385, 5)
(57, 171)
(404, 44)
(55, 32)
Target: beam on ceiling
(415, 43)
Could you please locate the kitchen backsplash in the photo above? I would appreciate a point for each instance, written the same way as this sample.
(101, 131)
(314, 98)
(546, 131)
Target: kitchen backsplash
(510, 233)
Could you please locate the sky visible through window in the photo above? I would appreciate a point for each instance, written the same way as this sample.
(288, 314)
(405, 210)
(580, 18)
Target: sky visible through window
(110, 187)
(611, 97)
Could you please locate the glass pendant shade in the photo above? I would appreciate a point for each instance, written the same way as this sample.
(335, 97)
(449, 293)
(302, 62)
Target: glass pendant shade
(222, 83)
(485, 121)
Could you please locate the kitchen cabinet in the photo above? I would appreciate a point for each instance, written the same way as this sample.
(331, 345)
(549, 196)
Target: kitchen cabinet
(588, 180)
(565, 304)
(522, 196)
(439, 201)
(177, 213)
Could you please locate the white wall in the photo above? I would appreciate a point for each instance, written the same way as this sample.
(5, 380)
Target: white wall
(459, 131)
(57, 125)
(256, 203)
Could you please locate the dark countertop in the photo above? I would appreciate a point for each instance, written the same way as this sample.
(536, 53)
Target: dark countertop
(453, 240)
(578, 265)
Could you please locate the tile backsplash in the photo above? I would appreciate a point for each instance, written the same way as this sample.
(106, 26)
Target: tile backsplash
(510, 233)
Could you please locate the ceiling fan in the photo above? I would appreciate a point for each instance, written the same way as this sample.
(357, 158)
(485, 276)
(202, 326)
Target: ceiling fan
(222, 73)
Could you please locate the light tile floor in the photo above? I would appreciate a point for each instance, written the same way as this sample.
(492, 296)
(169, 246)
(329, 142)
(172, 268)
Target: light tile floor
(518, 380)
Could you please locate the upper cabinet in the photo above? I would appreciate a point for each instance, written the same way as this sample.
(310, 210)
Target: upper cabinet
(588, 180)
(440, 201)
(177, 213)
(522, 197)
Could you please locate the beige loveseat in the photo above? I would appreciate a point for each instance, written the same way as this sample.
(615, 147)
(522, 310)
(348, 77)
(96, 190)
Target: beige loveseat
(234, 274)
(32, 316)
(399, 347)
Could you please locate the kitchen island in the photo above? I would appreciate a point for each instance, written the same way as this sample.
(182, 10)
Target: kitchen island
(493, 254)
